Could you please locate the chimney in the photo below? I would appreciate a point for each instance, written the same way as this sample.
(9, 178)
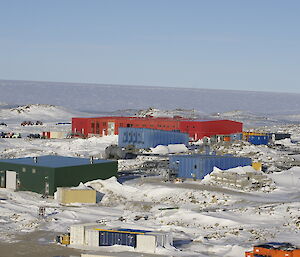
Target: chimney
(91, 159)
(35, 159)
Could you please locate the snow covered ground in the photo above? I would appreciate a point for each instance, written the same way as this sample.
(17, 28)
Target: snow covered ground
(205, 219)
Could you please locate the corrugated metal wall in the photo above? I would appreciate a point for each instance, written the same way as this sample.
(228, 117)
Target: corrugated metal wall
(146, 138)
(198, 166)
(33, 178)
(199, 129)
(259, 140)
(279, 136)
(93, 234)
(108, 238)
(67, 195)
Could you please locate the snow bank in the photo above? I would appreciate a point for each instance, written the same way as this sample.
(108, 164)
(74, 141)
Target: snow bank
(111, 185)
(81, 186)
(172, 148)
(160, 149)
(285, 142)
(237, 170)
(39, 112)
(287, 179)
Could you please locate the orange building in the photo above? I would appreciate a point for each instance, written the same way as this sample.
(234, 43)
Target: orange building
(274, 250)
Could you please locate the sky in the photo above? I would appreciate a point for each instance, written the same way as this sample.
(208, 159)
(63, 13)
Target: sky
(233, 44)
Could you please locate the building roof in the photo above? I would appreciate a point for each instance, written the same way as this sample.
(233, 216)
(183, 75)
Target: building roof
(278, 246)
(52, 161)
(121, 254)
(160, 118)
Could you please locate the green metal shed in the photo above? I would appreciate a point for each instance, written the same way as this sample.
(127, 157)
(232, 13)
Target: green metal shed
(44, 174)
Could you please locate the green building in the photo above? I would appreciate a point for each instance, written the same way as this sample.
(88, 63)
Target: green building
(45, 173)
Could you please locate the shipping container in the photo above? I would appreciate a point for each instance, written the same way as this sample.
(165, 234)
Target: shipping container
(257, 166)
(222, 138)
(58, 134)
(109, 237)
(146, 243)
(227, 138)
(145, 138)
(118, 237)
(247, 134)
(279, 136)
(77, 233)
(96, 235)
(198, 166)
(46, 134)
(66, 195)
(163, 239)
(258, 140)
(92, 237)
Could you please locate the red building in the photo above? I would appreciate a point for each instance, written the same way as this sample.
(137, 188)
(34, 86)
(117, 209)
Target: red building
(197, 129)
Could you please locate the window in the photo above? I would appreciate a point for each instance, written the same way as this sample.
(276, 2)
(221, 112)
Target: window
(24, 169)
(93, 127)
(97, 128)
(104, 123)
(33, 171)
(195, 166)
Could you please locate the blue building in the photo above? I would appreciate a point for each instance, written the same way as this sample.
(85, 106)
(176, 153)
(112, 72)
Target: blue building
(198, 166)
(259, 139)
(145, 138)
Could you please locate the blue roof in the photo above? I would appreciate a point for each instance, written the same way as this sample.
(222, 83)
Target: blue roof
(52, 161)
(134, 230)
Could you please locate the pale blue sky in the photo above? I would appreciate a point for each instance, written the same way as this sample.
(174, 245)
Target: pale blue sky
(225, 44)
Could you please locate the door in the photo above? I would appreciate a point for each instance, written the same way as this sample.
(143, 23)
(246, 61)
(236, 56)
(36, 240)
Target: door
(111, 128)
(46, 188)
(2, 182)
(11, 180)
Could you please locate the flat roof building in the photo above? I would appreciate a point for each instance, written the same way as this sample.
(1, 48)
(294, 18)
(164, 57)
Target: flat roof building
(196, 129)
(44, 174)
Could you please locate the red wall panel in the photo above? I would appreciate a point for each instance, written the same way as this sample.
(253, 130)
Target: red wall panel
(196, 129)
(199, 129)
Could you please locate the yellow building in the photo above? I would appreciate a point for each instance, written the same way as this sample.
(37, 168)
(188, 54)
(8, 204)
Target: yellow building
(67, 195)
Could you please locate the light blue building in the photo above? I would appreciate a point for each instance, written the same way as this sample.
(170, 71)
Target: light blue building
(145, 138)
(198, 166)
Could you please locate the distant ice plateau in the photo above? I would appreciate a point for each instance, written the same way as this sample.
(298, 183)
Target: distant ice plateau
(99, 98)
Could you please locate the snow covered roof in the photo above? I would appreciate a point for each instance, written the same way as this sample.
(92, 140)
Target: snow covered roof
(52, 161)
